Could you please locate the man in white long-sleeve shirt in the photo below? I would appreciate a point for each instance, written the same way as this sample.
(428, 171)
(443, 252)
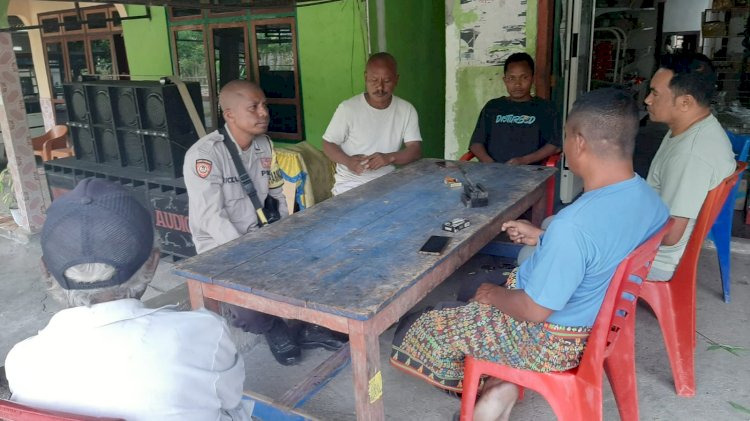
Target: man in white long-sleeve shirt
(108, 355)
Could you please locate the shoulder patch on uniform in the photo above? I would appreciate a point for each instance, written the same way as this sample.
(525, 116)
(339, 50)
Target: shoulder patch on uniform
(266, 163)
(203, 167)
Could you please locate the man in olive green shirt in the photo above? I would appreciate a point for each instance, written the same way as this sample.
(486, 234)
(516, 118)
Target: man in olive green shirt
(695, 155)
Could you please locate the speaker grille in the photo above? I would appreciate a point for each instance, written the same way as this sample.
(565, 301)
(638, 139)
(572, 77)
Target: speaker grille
(83, 143)
(102, 111)
(160, 153)
(79, 111)
(109, 152)
(126, 114)
(133, 149)
(154, 117)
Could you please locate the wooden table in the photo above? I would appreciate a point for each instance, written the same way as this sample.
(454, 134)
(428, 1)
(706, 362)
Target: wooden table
(351, 263)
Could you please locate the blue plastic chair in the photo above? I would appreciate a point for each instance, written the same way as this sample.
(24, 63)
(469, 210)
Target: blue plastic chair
(721, 231)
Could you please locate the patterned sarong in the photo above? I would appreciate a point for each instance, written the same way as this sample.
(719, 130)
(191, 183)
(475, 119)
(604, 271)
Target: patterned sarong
(434, 346)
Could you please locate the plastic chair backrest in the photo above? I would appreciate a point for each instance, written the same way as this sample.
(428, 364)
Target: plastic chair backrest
(553, 160)
(58, 131)
(721, 230)
(712, 205)
(619, 303)
(12, 411)
(740, 145)
(54, 133)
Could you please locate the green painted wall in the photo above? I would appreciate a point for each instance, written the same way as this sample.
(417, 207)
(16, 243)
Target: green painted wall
(147, 44)
(415, 35)
(4, 13)
(332, 54)
(474, 85)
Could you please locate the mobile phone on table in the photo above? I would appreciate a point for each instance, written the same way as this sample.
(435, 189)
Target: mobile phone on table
(434, 245)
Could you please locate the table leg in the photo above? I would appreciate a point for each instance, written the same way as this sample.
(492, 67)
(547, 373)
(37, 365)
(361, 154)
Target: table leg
(368, 380)
(197, 300)
(538, 210)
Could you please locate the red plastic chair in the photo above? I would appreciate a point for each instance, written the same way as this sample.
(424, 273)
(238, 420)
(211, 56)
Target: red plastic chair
(673, 302)
(576, 394)
(11, 411)
(551, 161)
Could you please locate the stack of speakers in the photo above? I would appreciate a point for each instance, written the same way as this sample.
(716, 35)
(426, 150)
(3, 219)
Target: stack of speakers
(140, 125)
(134, 134)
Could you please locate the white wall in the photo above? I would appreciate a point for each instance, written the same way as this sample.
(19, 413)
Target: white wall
(684, 15)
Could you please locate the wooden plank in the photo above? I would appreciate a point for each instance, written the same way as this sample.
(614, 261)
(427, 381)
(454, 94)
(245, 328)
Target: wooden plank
(316, 379)
(544, 41)
(197, 298)
(368, 379)
(538, 211)
(276, 308)
(195, 290)
(265, 409)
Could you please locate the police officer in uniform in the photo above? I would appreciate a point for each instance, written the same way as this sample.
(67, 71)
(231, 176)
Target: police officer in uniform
(220, 209)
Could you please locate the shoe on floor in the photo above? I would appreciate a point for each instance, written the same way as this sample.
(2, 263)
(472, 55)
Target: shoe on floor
(314, 336)
(282, 344)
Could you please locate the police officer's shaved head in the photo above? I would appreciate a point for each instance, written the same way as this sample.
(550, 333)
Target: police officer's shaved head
(233, 91)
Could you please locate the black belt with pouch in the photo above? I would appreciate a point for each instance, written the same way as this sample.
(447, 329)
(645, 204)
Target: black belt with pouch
(271, 209)
(269, 212)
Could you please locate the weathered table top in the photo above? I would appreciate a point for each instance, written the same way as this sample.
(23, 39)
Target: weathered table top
(353, 254)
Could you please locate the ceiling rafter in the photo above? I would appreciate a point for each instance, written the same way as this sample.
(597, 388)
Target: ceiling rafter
(206, 4)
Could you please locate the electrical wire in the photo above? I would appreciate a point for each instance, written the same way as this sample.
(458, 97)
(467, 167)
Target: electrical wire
(316, 3)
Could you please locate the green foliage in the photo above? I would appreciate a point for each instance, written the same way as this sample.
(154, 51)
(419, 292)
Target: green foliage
(734, 350)
(739, 408)
(7, 195)
(191, 56)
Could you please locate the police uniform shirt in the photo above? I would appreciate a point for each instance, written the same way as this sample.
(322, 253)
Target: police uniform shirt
(219, 208)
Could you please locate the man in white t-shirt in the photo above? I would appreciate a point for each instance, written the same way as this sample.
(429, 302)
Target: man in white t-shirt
(367, 131)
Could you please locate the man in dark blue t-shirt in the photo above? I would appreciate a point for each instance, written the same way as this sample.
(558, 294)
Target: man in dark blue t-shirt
(516, 129)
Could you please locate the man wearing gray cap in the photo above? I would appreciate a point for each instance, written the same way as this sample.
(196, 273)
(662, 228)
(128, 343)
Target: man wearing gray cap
(108, 355)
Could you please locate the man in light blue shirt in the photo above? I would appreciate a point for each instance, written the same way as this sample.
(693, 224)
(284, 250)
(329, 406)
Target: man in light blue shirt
(541, 319)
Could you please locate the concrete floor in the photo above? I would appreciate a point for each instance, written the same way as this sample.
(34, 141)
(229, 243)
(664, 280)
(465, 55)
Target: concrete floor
(721, 376)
